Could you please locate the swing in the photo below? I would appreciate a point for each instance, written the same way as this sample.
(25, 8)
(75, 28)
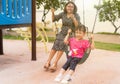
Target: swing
(88, 50)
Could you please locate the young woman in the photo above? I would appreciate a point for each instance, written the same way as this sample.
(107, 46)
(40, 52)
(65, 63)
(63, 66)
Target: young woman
(70, 19)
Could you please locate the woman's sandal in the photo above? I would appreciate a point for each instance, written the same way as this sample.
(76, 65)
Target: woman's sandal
(53, 68)
(46, 66)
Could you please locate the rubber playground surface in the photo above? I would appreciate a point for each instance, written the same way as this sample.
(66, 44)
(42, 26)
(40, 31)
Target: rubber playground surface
(16, 67)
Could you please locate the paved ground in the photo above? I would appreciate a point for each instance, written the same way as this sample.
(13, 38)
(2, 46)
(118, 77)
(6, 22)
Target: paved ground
(102, 67)
(107, 38)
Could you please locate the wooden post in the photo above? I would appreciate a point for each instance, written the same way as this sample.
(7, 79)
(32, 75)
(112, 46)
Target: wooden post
(1, 42)
(33, 30)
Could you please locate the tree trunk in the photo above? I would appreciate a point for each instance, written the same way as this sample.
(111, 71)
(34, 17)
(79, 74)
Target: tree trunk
(115, 30)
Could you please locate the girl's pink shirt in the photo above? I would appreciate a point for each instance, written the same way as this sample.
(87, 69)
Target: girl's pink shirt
(78, 47)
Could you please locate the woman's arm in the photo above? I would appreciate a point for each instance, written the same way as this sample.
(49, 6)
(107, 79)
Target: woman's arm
(74, 20)
(56, 17)
(53, 15)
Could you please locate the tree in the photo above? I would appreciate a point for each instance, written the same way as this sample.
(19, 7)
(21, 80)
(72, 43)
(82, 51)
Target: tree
(47, 4)
(110, 11)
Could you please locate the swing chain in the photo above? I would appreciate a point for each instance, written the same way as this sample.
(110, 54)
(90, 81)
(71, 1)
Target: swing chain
(45, 12)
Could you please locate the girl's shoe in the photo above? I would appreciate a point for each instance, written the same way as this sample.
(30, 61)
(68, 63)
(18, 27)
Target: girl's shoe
(58, 78)
(46, 66)
(65, 81)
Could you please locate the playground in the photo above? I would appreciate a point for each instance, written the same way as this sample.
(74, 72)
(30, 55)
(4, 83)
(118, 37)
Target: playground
(23, 64)
(16, 67)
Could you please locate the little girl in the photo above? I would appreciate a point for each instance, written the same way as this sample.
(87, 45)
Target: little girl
(77, 49)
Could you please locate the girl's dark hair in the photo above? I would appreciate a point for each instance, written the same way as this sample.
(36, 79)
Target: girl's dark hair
(81, 28)
(75, 7)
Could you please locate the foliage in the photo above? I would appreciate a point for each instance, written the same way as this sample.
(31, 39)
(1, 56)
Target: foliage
(109, 10)
(48, 4)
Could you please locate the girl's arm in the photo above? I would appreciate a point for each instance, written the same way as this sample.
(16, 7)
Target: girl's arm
(67, 36)
(92, 42)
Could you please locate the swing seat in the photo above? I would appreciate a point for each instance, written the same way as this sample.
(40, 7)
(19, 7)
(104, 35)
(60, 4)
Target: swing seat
(85, 56)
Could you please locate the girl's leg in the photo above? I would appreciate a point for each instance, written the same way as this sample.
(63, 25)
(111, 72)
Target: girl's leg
(54, 66)
(62, 71)
(64, 68)
(67, 77)
(67, 64)
(70, 72)
(73, 65)
(59, 76)
(51, 55)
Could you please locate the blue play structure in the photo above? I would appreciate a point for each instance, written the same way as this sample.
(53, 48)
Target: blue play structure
(18, 13)
(15, 12)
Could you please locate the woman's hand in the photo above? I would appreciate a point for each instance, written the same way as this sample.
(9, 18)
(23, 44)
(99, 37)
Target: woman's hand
(72, 16)
(52, 10)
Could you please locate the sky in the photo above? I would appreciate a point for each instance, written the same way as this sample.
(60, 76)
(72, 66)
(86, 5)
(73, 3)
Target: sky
(89, 11)
(88, 4)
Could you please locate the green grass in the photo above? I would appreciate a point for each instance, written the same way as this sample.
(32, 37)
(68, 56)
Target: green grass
(107, 46)
(98, 45)
(13, 37)
(51, 39)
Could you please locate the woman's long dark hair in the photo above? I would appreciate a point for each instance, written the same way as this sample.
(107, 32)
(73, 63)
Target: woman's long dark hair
(75, 7)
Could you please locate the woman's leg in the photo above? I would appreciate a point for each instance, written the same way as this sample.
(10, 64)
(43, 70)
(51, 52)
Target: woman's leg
(51, 55)
(54, 66)
(59, 54)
